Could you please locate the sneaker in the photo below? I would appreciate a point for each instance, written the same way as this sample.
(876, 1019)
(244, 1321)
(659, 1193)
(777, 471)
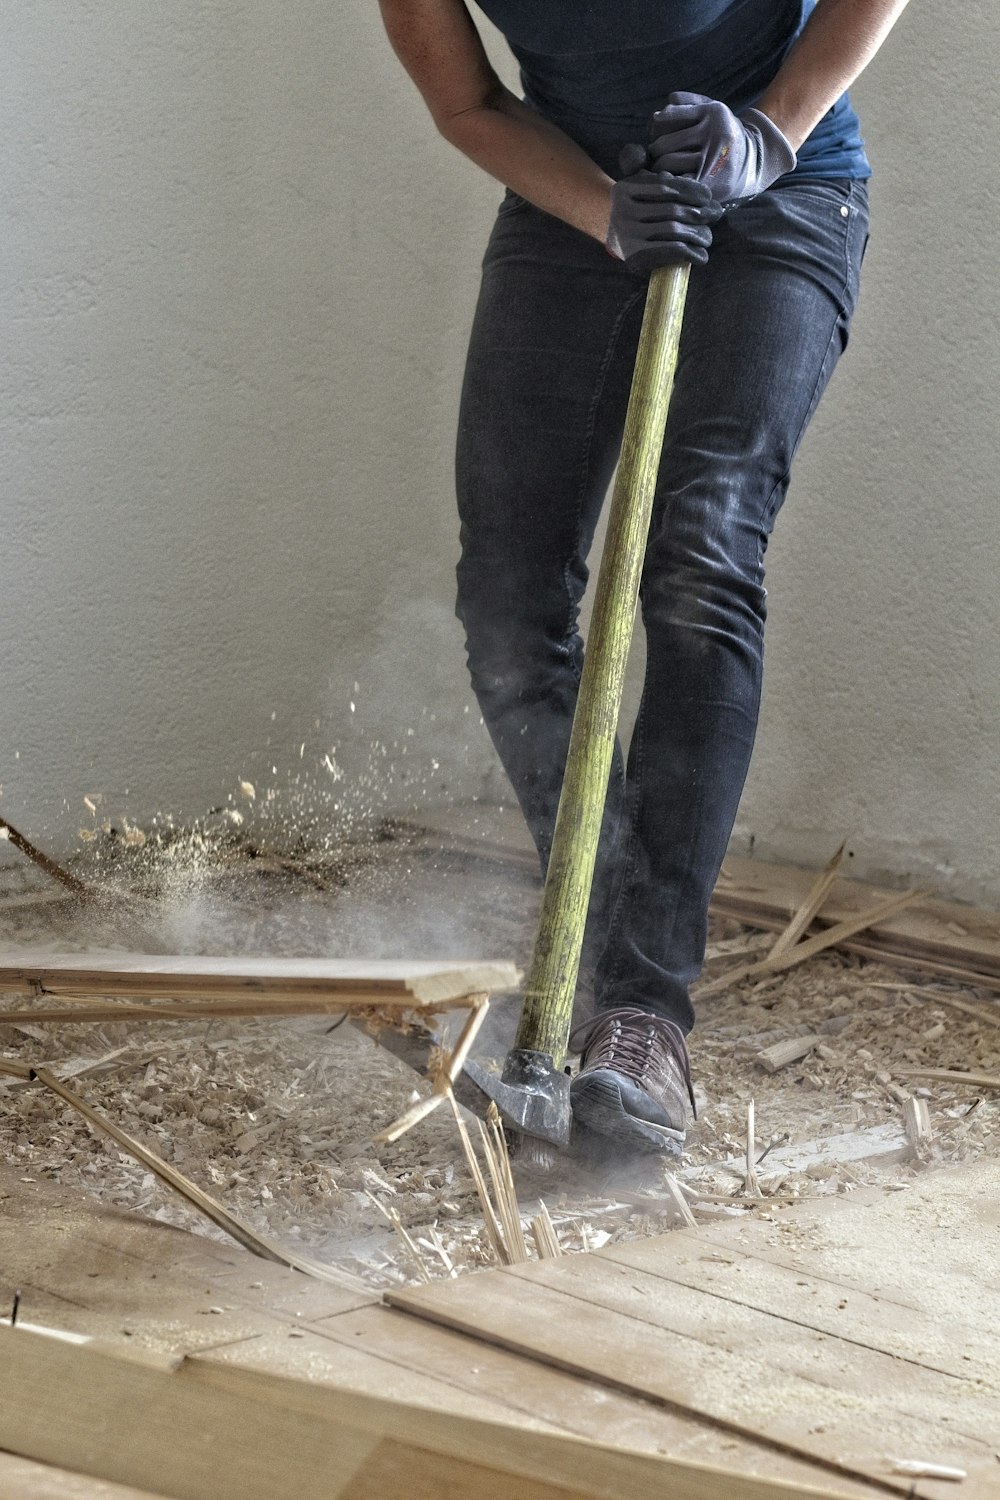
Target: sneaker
(634, 1081)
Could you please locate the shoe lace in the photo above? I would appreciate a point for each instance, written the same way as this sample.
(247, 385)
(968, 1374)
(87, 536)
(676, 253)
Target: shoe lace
(625, 1039)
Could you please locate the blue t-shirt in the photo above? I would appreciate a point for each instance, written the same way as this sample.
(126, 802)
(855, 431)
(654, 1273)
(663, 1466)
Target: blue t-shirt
(599, 68)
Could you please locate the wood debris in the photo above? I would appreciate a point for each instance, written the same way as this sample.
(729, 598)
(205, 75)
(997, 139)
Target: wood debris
(543, 1233)
(780, 1054)
(917, 1124)
(952, 1075)
(278, 1119)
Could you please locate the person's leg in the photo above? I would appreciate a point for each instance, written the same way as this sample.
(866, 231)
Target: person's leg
(766, 321)
(539, 433)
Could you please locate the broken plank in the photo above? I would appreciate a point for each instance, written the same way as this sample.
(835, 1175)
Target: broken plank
(117, 1012)
(751, 889)
(917, 1123)
(246, 1434)
(808, 948)
(375, 982)
(810, 906)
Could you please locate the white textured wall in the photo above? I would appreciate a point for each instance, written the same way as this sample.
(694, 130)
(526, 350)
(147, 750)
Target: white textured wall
(237, 271)
(882, 703)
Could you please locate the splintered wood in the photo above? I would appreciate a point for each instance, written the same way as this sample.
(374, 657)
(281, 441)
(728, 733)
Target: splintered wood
(922, 932)
(383, 993)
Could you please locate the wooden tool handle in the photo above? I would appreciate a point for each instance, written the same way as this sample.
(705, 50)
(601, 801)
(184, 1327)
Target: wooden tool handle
(551, 984)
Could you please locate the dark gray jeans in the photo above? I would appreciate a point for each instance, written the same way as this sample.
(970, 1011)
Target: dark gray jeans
(542, 411)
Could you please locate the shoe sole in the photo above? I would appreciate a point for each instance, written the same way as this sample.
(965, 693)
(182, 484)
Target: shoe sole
(599, 1109)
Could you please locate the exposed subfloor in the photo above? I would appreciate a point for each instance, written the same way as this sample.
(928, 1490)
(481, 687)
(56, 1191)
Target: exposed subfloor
(277, 1118)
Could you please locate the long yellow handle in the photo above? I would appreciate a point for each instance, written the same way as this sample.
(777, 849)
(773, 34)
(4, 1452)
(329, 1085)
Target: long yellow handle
(548, 1000)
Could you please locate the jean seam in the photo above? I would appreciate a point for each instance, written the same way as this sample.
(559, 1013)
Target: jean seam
(628, 857)
(588, 444)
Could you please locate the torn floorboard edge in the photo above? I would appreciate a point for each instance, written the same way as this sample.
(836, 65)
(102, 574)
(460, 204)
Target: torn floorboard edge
(420, 984)
(808, 1344)
(885, 1143)
(77, 1010)
(248, 1434)
(943, 936)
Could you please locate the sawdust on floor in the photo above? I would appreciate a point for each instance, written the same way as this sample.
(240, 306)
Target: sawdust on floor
(277, 1118)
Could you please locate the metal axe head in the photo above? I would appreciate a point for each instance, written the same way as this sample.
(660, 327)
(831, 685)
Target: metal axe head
(531, 1093)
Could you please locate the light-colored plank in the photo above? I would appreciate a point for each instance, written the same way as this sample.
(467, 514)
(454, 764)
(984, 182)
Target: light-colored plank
(536, 1394)
(208, 1431)
(796, 1388)
(376, 982)
(307, 1354)
(964, 1350)
(21, 1479)
(932, 1246)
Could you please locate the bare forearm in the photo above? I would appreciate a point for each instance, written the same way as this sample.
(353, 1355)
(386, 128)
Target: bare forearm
(440, 48)
(516, 145)
(838, 41)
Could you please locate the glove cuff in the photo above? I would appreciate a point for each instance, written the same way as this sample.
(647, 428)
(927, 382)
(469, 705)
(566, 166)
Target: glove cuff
(776, 154)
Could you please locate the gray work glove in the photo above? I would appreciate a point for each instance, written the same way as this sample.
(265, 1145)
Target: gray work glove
(737, 156)
(658, 219)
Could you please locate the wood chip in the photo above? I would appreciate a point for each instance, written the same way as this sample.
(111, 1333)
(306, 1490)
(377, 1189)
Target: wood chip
(947, 1075)
(780, 1054)
(917, 1124)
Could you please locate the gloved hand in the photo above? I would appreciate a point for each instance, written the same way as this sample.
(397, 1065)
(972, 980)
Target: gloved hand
(658, 219)
(737, 156)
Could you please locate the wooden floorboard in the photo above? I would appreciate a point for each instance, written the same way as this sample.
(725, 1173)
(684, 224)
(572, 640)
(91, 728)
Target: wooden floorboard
(136, 1284)
(205, 1430)
(852, 1385)
(535, 1394)
(962, 1348)
(23, 1479)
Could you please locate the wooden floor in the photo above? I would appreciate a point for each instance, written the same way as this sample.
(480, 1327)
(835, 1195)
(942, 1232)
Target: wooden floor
(815, 1349)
